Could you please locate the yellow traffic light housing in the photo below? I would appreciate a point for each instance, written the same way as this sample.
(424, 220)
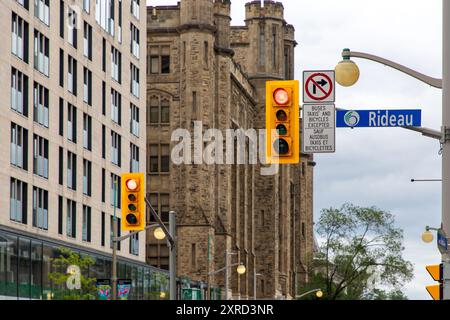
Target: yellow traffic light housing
(436, 272)
(282, 122)
(133, 201)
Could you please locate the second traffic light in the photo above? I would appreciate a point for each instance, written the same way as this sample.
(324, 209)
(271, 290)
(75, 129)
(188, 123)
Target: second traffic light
(282, 122)
(133, 202)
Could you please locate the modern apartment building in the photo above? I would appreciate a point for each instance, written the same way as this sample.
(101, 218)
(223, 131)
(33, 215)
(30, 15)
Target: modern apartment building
(72, 119)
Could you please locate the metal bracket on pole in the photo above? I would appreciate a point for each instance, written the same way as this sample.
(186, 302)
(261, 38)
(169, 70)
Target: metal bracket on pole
(434, 82)
(170, 238)
(445, 136)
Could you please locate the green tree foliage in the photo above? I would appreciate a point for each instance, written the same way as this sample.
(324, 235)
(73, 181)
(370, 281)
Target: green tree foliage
(360, 253)
(59, 276)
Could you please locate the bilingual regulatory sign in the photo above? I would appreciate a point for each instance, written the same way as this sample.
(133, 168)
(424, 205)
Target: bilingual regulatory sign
(378, 118)
(318, 86)
(318, 133)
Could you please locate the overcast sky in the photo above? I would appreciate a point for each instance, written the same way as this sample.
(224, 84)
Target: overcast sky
(374, 166)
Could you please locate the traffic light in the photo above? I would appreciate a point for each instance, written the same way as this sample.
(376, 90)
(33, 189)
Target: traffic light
(437, 273)
(133, 201)
(282, 122)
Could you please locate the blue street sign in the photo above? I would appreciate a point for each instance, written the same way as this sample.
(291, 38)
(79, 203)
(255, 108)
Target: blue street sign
(378, 118)
(442, 241)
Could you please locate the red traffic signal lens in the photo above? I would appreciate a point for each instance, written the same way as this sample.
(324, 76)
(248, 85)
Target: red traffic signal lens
(132, 184)
(281, 96)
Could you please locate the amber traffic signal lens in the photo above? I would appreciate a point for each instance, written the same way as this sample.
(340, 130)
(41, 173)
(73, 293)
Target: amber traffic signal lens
(281, 96)
(281, 130)
(281, 115)
(132, 184)
(132, 219)
(281, 146)
(132, 197)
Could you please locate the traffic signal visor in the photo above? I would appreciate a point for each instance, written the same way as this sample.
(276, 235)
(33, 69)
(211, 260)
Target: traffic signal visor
(133, 202)
(436, 272)
(282, 122)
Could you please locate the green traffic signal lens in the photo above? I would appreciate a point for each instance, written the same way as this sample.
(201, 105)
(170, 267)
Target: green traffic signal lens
(281, 146)
(281, 115)
(132, 207)
(281, 130)
(132, 197)
(132, 219)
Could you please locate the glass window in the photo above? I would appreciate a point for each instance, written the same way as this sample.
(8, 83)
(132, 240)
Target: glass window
(40, 156)
(165, 158)
(18, 201)
(154, 111)
(115, 193)
(116, 107)
(72, 123)
(87, 177)
(19, 33)
(40, 208)
(71, 219)
(42, 10)
(165, 111)
(159, 60)
(134, 80)
(8, 266)
(72, 75)
(36, 270)
(154, 167)
(19, 146)
(87, 41)
(116, 147)
(86, 230)
(41, 53)
(134, 121)
(87, 132)
(165, 207)
(116, 65)
(19, 92)
(87, 86)
(134, 158)
(41, 104)
(24, 276)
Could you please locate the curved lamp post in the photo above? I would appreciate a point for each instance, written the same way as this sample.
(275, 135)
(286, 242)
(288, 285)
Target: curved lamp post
(347, 74)
(319, 293)
(241, 269)
(344, 70)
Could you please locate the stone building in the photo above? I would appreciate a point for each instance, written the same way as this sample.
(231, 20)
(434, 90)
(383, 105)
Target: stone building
(202, 69)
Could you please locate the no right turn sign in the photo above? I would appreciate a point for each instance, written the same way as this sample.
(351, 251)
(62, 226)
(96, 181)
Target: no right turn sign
(318, 86)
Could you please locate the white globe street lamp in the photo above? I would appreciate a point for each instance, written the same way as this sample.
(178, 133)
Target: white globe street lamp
(159, 233)
(241, 269)
(347, 72)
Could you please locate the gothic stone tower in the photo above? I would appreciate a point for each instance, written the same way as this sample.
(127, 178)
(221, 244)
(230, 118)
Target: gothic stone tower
(217, 80)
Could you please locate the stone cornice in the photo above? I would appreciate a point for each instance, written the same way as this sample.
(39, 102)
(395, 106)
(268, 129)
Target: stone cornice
(197, 26)
(224, 51)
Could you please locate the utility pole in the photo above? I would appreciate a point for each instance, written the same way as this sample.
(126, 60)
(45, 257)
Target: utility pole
(114, 255)
(172, 257)
(171, 239)
(446, 123)
(226, 275)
